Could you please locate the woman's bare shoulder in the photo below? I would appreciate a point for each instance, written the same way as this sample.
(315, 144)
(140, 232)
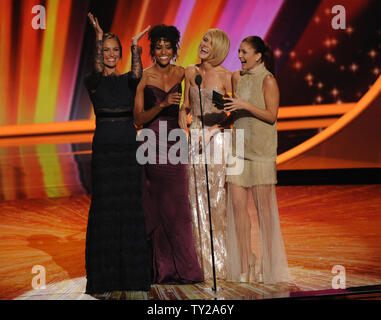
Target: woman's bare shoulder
(179, 69)
(148, 71)
(191, 71)
(192, 68)
(225, 71)
(236, 74)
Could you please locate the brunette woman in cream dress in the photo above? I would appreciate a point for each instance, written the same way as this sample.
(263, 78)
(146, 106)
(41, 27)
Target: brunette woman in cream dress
(213, 50)
(255, 109)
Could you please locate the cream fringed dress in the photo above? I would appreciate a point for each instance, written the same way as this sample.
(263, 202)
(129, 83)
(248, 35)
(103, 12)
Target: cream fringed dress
(259, 174)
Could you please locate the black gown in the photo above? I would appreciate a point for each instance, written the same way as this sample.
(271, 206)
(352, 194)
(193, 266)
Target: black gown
(117, 256)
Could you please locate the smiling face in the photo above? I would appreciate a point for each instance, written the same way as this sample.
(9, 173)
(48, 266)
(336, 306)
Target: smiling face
(248, 57)
(111, 53)
(163, 52)
(205, 49)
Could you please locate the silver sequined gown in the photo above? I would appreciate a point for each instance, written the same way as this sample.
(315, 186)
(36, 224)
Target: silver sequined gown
(197, 185)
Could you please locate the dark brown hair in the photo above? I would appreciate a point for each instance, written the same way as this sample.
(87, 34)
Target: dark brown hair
(262, 47)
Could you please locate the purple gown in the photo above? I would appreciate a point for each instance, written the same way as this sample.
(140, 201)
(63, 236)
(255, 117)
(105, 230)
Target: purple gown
(166, 204)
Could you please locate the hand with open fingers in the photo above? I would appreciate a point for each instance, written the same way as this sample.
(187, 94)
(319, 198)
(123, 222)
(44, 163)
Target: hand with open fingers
(136, 39)
(236, 104)
(94, 22)
(172, 98)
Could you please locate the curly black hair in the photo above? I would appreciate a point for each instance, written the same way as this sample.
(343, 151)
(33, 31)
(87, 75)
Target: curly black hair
(168, 33)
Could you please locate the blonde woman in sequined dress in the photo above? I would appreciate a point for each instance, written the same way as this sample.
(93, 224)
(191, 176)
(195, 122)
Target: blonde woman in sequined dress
(213, 49)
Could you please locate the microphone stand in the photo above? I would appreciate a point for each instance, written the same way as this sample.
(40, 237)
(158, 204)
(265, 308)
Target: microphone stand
(198, 81)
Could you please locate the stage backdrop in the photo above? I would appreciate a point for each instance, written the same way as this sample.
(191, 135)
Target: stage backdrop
(42, 70)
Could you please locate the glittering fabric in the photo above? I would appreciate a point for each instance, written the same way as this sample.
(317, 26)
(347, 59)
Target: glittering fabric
(197, 185)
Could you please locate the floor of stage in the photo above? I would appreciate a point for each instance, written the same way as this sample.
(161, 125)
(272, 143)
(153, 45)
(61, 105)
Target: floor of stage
(322, 226)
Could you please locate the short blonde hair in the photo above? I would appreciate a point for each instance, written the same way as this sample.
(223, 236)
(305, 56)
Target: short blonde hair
(220, 44)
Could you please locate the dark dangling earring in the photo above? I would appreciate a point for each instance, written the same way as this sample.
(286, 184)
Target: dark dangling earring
(153, 59)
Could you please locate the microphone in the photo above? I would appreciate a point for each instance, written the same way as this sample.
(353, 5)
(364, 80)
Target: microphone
(198, 80)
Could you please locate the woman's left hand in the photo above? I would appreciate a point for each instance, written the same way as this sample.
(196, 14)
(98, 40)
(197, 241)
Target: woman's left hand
(136, 39)
(236, 104)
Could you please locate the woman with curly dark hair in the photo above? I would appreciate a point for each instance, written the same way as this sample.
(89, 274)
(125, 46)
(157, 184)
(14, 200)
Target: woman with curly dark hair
(165, 182)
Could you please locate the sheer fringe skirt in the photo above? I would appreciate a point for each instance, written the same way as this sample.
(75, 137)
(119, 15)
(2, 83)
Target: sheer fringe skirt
(266, 260)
